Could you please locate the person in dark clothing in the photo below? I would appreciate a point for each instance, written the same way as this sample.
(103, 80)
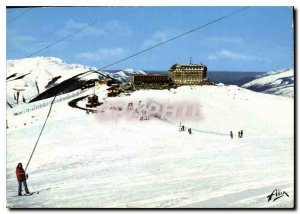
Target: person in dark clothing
(242, 133)
(239, 134)
(231, 134)
(190, 131)
(21, 177)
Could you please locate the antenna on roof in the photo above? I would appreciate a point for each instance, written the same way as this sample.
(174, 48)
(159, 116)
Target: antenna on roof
(191, 60)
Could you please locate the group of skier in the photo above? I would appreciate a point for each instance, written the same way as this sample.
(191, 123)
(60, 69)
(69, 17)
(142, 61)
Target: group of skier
(144, 117)
(182, 128)
(240, 134)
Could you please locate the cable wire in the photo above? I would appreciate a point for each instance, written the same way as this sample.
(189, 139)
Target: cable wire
(40, 134)
(60, 40)
(15, 18)
(176, 37)
(169, 40)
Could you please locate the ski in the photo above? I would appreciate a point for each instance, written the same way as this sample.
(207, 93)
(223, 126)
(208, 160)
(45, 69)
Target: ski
(27, 194)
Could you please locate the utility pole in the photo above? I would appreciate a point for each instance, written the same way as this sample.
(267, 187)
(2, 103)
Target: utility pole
(94, 87)
(18, 93)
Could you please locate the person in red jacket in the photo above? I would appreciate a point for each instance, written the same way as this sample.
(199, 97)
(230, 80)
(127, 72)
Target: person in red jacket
(21, 177)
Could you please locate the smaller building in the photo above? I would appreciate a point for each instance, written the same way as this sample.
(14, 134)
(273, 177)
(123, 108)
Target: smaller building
(101, 83)
(92, 101)
(113, 91)
(149, 80)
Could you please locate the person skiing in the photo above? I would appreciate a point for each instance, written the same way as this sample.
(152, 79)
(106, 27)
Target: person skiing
(242, 133)
(231, 134)
(21, 177)
(239, 134)
(182, 128)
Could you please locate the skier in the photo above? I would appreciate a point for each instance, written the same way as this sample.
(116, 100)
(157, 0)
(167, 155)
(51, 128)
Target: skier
(242, 133)
(239, 134)
(21, 177)
(231, 134)
(190, 131)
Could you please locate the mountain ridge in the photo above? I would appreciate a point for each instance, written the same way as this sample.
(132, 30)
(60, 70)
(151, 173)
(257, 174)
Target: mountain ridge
(279, 82)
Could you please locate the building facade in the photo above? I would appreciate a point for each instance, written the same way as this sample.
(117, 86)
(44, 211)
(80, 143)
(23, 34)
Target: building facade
(149, 80)
(190, 74)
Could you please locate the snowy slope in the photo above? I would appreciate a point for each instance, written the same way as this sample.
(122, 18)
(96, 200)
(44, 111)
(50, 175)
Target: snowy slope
(33, 76)
(125, 75)
(274, 82)
(87, 161)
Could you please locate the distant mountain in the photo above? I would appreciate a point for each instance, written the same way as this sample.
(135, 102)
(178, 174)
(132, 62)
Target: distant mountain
(232, 77)
(38, 78)
(279, 82)
(125, 75)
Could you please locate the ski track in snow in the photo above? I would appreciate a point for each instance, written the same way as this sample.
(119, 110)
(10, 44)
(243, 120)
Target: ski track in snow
(82, 161)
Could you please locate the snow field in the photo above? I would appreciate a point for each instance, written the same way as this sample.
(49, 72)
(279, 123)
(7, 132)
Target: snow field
(119, 163)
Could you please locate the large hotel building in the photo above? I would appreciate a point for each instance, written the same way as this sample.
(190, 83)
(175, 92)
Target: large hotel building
(190, 74)
(186, 74)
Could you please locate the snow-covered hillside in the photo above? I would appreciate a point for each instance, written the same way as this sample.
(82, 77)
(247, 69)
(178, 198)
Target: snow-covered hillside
(87, 161)
(125, 75)
(274, 82)
(30, 77)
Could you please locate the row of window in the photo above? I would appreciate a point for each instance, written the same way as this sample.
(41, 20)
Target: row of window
(190, 71)
(151, 78)
(188, 74)
(189, 68)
